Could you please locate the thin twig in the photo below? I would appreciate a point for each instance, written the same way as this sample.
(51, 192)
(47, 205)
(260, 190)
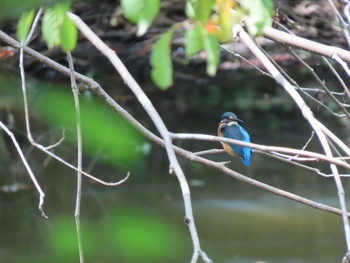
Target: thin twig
(342, 63)
(33, 27)
(245, 60)
(316, 90)
(29, 170)
(336, 74)
(55, 65)
(325, 59)
(335, 139)
(285, 159)
(211, 151)
(23, 85)
(317, 101)
(319, 81)
(79, 156)
(307, 143)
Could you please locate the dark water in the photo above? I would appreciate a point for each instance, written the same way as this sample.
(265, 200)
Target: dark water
(236, 222)
(142, 220)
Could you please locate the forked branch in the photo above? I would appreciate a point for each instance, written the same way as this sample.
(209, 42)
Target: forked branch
(158, 122)
(307, 113)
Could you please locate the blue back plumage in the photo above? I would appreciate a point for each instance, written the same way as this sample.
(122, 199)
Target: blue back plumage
(231, 129)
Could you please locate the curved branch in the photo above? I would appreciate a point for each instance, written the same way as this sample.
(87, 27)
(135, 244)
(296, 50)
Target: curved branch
(29, 170)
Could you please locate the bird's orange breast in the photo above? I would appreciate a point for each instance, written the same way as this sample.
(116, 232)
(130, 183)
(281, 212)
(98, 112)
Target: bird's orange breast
(227, 148)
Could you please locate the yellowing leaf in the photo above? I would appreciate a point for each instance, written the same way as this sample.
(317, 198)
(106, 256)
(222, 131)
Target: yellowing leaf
(199, 9)
(226, 20)
(162, 70)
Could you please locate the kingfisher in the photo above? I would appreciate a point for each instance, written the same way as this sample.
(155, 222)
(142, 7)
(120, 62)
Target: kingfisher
(229, 128)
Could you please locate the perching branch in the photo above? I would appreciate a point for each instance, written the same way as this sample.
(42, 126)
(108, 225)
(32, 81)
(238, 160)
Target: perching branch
(265, 148)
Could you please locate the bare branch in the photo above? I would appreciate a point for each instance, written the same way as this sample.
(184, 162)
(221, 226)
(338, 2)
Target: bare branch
(342, 63)
(312, 46)
(265, 148)
(158, 122)
(319, 81)
(47, 61)
(343, 24)
(211, 151)
(341, 81)
(29, 170)
(64, 70)
(79, 156)
(246, 61)
(307, 113)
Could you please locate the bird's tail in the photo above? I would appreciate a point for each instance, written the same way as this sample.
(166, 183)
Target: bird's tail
(246, 156)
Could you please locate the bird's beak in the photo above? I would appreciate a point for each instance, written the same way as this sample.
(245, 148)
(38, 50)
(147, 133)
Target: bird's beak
(238, 120)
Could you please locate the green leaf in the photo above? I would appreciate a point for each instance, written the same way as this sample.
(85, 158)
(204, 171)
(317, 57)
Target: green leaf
(132, 9)
(23, 25)
(162, 69)
(212, 50)
(193, 40)
(68, 34)
(259, 15)
(199, 9)
(52, 22)
(140, 12)
(269, 6)
(189, 9)
(198, 38)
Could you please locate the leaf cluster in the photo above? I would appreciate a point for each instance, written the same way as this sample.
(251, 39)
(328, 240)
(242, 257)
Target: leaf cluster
(209, 23)
(57, 28)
